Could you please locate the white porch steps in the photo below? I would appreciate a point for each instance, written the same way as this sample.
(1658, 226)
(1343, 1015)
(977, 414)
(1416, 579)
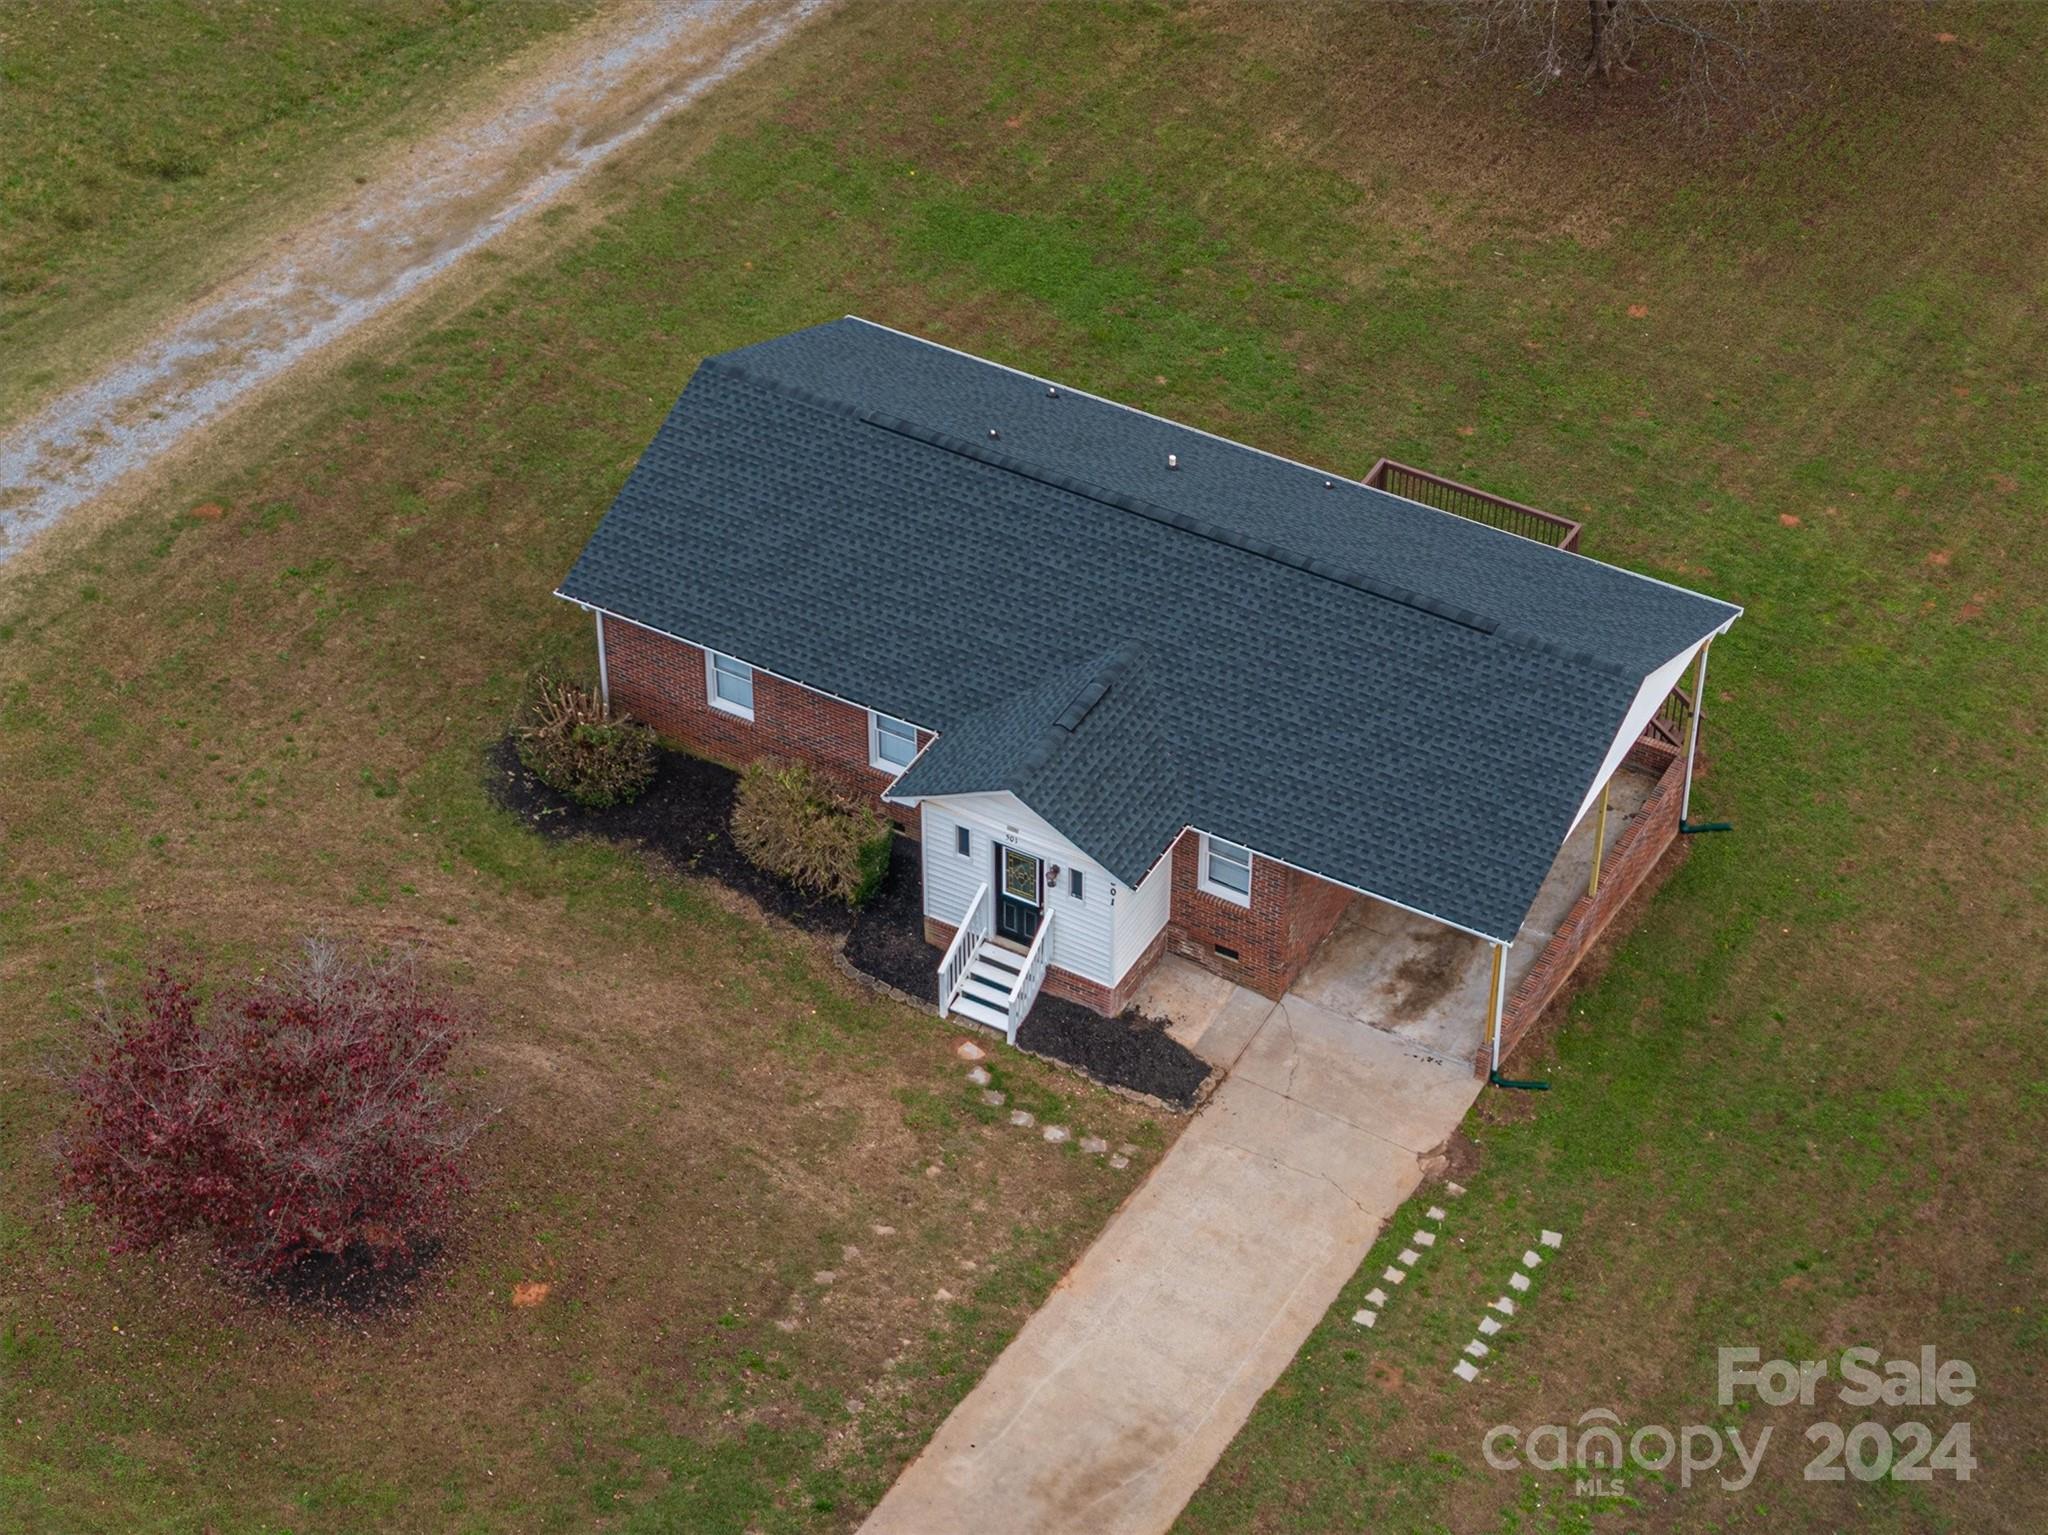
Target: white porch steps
(990, 985)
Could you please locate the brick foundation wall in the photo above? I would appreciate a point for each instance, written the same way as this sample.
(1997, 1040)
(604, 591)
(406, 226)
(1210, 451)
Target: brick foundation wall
(1107, 1000)
(661, 682)
(1290, 913)
(1622, 871)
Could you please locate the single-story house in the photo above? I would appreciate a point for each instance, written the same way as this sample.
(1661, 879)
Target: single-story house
(1135, 688)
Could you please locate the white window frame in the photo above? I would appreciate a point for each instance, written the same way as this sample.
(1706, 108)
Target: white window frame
(726, 705)
(876, 760)
(1225, 892)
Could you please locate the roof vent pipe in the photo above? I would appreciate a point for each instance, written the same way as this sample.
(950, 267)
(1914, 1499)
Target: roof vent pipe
(993, 433)
(1052, 391)
(1173, 460)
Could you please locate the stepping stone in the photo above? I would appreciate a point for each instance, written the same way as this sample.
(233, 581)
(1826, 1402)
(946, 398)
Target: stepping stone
(1489, 1325)
(1454, 1189)
(1023, 1119)
(968, 1050)
(1518, 1281)
(1127, 1149)
(934, 1170)
(1119, 1161)
(1477, 1349)
(1094, 1145)
(943, 1294)
(1365, 1318)
(1552, 1239)
(1424, 1239)
(883, 1231)
(979, 1076)
(1465, 1369)
(1407, 1255)
(1531, 1259)
(1394, 1275)
(848, 1253)
(1375, 1297)
(994, 1098)
(1504, 1306)
(823, 1276)
(1057, 1133)
(1433, 1213)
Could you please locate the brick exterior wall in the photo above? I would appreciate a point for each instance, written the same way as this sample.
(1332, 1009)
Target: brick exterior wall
(661, 682)
(1107, 1000)
(1290, 913)
(1622, 871)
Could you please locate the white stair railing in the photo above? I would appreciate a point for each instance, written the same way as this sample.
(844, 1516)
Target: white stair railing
(1029, 982)
(972, 933)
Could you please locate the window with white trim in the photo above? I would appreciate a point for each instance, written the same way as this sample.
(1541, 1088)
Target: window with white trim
(1227, 870)
(891, 742)
(729, 684)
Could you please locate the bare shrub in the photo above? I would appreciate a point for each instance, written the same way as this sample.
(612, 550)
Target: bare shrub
(569, 743)
(792, 823)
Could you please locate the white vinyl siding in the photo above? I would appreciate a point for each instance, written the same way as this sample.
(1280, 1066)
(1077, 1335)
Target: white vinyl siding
(1227, 870)
(1082, 937)
(729, 684)
(1141, 913)
(891, 742)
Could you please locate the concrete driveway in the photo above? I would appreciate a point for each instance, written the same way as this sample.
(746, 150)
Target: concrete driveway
(1109, 1408)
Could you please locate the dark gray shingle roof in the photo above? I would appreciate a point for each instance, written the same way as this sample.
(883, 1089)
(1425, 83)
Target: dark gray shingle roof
(1375, 691)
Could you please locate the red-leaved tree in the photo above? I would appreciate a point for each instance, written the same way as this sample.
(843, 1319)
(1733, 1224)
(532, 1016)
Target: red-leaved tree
(300, 1117)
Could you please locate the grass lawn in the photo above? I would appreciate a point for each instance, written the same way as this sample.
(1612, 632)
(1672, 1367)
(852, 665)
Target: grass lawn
(147, 146)
(1803, 1109)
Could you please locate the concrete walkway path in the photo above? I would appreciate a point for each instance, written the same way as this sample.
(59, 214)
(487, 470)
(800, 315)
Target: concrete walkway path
(1109, 1408)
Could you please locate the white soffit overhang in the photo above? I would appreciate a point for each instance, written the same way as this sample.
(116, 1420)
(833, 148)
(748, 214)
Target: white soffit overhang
(1649, 698)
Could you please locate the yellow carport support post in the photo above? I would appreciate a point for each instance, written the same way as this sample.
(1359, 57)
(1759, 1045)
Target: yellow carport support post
(1599, 840)
(1495, 999)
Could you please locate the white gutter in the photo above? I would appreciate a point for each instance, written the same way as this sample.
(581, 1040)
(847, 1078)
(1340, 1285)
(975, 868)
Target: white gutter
(809, 687)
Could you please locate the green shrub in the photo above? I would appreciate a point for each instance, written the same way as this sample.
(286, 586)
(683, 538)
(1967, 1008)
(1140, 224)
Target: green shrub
(791, 823)
(568, 744)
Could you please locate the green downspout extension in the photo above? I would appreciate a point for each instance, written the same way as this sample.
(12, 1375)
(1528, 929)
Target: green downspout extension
(1494, 1078)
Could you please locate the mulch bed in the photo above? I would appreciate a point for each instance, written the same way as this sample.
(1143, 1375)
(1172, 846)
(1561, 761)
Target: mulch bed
(1133, 1051)
(685, 815)
(1130, 1050)
(887, 941)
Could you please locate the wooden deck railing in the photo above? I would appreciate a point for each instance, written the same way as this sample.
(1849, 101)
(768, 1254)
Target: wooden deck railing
(1465, 501)
(1668, 725)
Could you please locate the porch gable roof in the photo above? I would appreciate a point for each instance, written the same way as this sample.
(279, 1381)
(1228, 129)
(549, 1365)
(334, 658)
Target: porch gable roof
(1082, 748)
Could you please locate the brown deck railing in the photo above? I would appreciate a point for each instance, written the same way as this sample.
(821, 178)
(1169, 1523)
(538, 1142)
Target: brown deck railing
(1463, 500)
(1667, 726)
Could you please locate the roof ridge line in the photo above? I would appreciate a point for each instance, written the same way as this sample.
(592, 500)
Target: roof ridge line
(1198, 527)
(1280, 458)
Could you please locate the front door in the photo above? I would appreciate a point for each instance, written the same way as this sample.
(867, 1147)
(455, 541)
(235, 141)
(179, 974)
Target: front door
(1020, 895)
